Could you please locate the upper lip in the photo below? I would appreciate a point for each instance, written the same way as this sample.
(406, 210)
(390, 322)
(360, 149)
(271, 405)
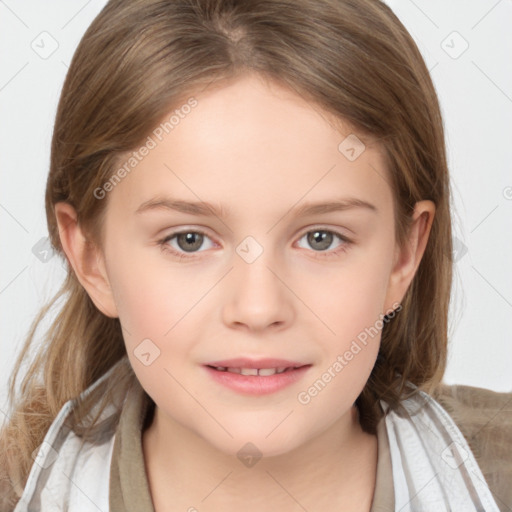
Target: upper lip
(244, 362)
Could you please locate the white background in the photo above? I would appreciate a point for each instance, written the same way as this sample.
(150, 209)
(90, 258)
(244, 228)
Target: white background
(475, 91)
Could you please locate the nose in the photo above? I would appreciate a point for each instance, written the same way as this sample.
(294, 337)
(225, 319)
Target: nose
(257, 296)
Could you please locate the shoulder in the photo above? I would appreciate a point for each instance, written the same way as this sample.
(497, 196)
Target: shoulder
(484, 416)
(485, 419)
(68, 473)
(71, 472)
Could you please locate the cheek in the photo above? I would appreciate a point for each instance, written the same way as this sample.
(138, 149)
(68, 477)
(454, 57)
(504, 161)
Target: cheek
(162, 310)
(352, 306)
(151, 294)
(352, 297)
(353, 312)
(156, 309)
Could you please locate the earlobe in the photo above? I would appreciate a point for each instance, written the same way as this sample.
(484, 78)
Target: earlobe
(86, 260)
(408, 257)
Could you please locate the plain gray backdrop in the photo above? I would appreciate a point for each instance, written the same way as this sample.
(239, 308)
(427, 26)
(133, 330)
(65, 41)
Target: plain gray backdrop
(467, 47)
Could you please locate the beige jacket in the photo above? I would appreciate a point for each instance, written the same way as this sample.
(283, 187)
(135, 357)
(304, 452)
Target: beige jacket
(485, 419)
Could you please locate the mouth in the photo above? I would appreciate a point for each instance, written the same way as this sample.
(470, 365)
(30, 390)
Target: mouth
(262, 372)
(256, 377)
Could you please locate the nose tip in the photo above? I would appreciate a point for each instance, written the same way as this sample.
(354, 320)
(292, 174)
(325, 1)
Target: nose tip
(256, 297)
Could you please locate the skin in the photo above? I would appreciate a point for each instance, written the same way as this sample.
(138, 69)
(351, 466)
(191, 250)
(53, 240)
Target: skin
(261, 151)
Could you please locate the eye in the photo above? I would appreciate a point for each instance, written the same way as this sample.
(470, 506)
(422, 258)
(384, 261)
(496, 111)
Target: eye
(187, 241)
(321, 239)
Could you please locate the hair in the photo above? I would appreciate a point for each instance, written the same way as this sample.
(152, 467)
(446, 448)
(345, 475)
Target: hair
(353, 59)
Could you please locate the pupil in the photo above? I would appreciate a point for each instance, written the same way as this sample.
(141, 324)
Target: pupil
(190, 244)
(324, 237)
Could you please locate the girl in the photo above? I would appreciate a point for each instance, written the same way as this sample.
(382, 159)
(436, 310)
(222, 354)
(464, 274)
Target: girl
(252, 198)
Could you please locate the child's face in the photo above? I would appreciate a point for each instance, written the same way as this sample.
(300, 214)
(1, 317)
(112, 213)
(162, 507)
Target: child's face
(256, 286)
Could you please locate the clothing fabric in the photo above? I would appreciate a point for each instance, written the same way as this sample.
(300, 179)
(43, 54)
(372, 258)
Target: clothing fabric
(424, 461)
(433, 466)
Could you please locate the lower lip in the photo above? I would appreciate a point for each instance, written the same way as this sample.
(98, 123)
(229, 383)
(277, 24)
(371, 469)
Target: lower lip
(257, 384)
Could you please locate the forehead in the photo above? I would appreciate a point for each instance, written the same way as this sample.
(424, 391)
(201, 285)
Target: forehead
(257, 146)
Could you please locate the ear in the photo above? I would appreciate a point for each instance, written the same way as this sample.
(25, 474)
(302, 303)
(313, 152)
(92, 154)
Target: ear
(408, 257)
(86, 259)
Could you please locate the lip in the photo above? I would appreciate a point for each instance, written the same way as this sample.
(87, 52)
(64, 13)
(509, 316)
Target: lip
(256, 385)
(245, 362)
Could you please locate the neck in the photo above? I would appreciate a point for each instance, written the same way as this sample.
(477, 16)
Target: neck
(332, 470)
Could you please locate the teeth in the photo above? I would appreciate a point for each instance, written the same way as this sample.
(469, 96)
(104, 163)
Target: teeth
(264, 372)
(267, 371)
(249, 371)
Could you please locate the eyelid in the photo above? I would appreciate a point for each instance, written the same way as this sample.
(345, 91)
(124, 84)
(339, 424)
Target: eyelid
(164, 240)
(324, 227)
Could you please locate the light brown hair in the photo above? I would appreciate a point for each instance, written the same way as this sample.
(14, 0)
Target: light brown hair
(139, 59)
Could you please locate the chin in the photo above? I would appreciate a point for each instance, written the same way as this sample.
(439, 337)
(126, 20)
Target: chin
(250, 450)
(257, 442)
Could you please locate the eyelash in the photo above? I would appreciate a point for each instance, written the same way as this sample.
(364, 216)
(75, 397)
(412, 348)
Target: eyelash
(163, 243)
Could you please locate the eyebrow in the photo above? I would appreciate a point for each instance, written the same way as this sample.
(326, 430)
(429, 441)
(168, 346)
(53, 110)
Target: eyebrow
(203, 208)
